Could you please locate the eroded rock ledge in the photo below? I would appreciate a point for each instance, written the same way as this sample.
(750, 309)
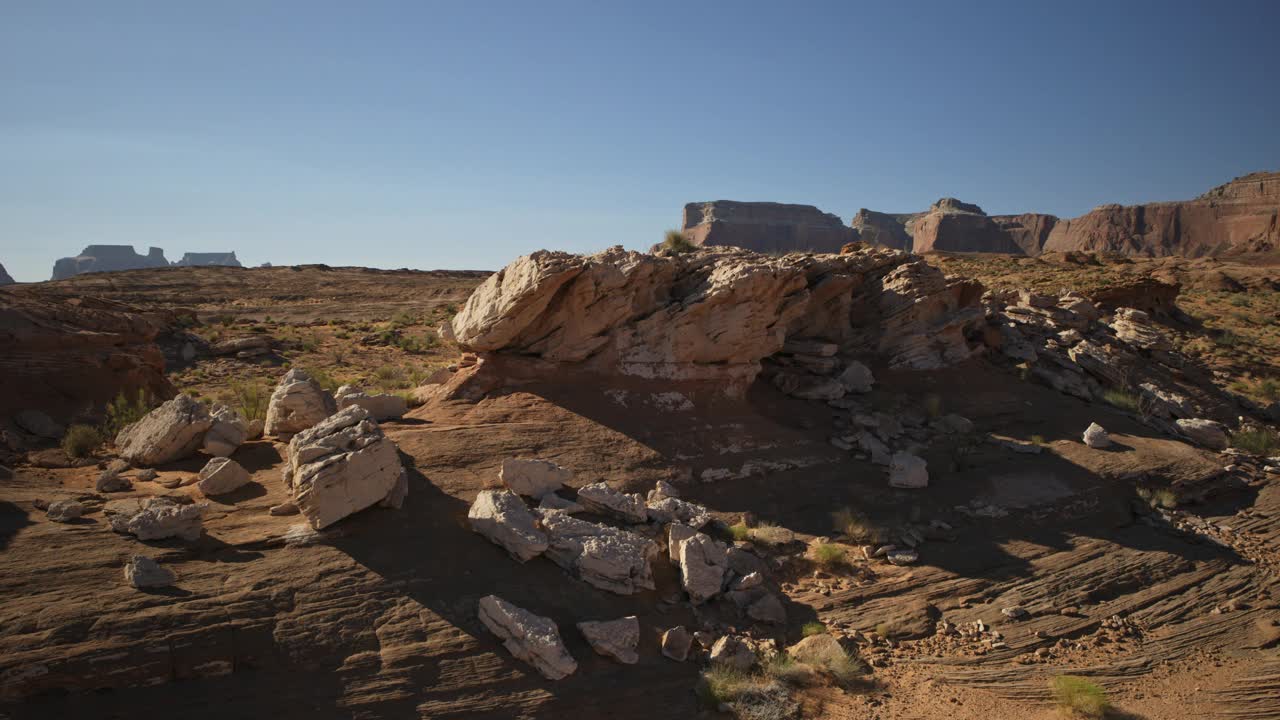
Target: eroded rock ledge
(710, 315)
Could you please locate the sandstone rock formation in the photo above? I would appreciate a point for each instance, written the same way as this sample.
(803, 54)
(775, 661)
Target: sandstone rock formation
(611, 559)
(5, 277)
(534, 478)
(62, 355)
(676, 642)
(144, 572)
(297, 403)
(227, 259)
(764, 226)
(1204, 432)
(528, 637)
(105, 258)
(703, 564)
(342, 466)
(601, 499)
(951, 225)
(883, 229)
(381, 407)
(170, 432)
(502, 516)
(615, 639)
(156, 518)
(709, 316)
(228, 432)
(64, 511)
(222, 475)
(1096, 437)
(732, 651)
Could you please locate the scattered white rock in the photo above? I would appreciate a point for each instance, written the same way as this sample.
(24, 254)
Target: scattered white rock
(222, 475)
(703, 563)
(954, 424)
(551, 501)
(676, 533)
(902, 556)
(1096, 437)
(615, 639)
(857, 378)
(143, 572)
(343, 465)
(64, 510)
(662, 489)
(170, 432)
(671, 509)
(297, 403)
(228, 432)
(608, 558)
(676, 642)
(601, 499)
(254, 429)
(748, 581)
(531, 638)
(158, 518)
(502, 516)
(732, 651)
(109, 481)
(908, 471)
(396, 497)
(381, 407)
(1208, 433)
(533, 478)
(1015, 612)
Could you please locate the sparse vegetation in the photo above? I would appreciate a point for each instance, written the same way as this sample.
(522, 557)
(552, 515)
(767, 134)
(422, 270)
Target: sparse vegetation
(249, 398)
(676, 242)
(1078, 697)
(124, 410)
(1257, 441)
(829, 555)
(391, 377)
(771, 535)
(1038, 440)
(1122, 399)
(325, 379)
(858, 527)
(740, 532)
(812, 628)
(1159, 497)
(81, 440)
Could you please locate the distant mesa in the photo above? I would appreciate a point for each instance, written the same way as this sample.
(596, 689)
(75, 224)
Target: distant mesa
(5, 277)
(107, 258)
(215, 258)
(1240, 216)
(764, 226)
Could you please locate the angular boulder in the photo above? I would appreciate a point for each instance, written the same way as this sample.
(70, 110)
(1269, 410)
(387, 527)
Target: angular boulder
(601, 499)
(531, 638)
(1135, 327)
(606, 557)
(672, 509)
(703, 563)
(342, 466)
(676, 642)
(533, 478)
(172, 431)
(1095, 437)
(143, 572)
(857, 378)
(908, 471)
(732, 651)
(615, 639)
(222, 475)
(1200, 431)
(64, 511)
(297, 403)
(381, 407)
(228, 432)
(157, 518)
(502, 516)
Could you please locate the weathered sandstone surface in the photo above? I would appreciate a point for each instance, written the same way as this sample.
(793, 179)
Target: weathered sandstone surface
(709, 316)
(764, 226)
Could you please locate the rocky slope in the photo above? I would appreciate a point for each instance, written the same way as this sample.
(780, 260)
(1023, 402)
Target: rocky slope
(764, 226)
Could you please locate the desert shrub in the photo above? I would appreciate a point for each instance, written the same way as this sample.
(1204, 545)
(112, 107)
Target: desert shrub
(812, 628)
(885, 630)
(390, 377)
(784, 668)
(416, 344)
(418, 374)
(404, 319)
(676, 242)
(250, 399)
(833, 660)
(750, 696)
(1226, 339)
(1078, 697)
(224, 320)
(309, 343)
(829, 555)
(325, 380)
(771, 534)
(857, 527)
(124, 410)
(739, 532)
(1159, 497)
(410, 397)
(1258, 441)
(1122, 399)
(721, 684)
(81, 440)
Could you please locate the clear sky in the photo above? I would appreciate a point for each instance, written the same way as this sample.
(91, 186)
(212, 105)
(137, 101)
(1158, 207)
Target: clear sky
(462, 134)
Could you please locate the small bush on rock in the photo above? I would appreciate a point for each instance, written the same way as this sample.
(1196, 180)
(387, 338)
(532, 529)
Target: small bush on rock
(812, 628)
(81, 440)
(125, 410)
(676, 242)
(829, 555)
(1258, 441)
(1078, 697)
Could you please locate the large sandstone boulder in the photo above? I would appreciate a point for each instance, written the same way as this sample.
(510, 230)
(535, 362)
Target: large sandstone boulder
(1208, 433)
(1135, 327)
(222, 475)
(228, 432)
(606, 557)
(170, 432)
(534, 478)
(601, 499)
(502, 516)
(297, 403)
(703, 563)
(380, 407)
(708, 316)
(734, 652)
(143, 572)
(615, 639)
(528, 637)
(341, 466)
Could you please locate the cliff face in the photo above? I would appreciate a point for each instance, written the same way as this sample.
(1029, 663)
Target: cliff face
(1238, 216)
(886, 229)
(764, 227)
(954, 226)
(5, 278)
(215, 258)
(103, 258)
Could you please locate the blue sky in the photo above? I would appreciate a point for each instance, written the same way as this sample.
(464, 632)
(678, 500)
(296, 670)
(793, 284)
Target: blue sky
(460, 135)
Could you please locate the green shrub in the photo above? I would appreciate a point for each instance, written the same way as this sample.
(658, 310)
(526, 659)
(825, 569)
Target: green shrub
(124, 410)
(829, 555)
(1226, 339)
(1257, 441)
(250, 399)
(740, 532)
(404, 319)
(81, 440)
(858, 527)
(1159, 497)
(390, 377)
(1121, 399)
(783, 668)
(1078, 697)
(326, 380)
(676, 242)
(812, 628)
(721, 684)
(416, 344)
